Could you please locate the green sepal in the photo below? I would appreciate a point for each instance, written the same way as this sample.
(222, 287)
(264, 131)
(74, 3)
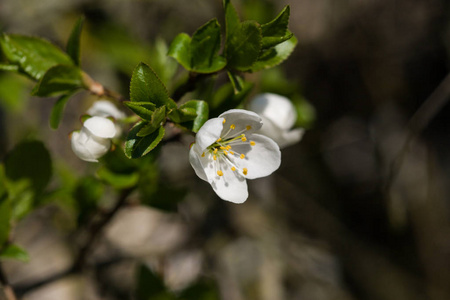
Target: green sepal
(33, 56)
(145, 86)
(13, 251)
(142, 109)
(58, 110)
(276, 32)
(156, 121)
(237, 81)
(274, 56)
(60, 79)
(136, 146)
(191, 115)
(73, 44)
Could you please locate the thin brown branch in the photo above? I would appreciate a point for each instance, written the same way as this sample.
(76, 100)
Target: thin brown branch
(7, 288)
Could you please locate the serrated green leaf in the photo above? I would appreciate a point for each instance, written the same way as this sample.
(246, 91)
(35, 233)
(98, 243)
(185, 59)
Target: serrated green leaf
(136, 146)
(5, 220)
(194, 114)
(60, 79)
(14, 252)
(6, 67)
(58, 110)
(275, 32)
(147, 87)
(118, 180)
(156, 121)
(274, 56)
(30, 161)
(73, 44)
(142, 109)
(34, 56)
(232, 20)
(180, 50)
(243, 45)
(237, 81)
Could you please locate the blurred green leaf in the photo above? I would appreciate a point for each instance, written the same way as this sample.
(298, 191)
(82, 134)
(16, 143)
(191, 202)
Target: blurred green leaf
(14, 91)
(165, 197)
(237, 81)
(58, 110)
(142, 109)
(22, 198)
(29, 160)
(34, 56)
(5, 220)
(275, 55)
(275, 32)
(118, 180)
(192, 114)
(225, 98)
(136, 146)
(203, 290)
(306, 114)
(150, 286)
(145, 86)
(243, 45)
(73, 44)
(87, 194)
(60, 79)
(6, 67)
(156, 121)
(14, 252)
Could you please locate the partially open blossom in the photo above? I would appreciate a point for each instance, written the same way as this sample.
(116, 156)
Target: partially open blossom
(94, 138)
(227, 151)
(278, 115)
(104, 108)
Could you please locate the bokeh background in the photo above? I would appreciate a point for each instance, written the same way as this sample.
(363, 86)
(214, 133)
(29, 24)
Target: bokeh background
(332, 223)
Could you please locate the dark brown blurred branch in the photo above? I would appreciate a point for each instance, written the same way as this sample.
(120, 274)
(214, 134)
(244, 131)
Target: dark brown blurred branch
(7, 288)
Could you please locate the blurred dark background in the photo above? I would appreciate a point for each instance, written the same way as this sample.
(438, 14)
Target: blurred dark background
(333, 223)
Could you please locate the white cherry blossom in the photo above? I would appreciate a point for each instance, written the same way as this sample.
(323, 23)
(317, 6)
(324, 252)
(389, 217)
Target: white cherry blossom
(94, 139)
(104, 108)
(278, 115)
(227, 151)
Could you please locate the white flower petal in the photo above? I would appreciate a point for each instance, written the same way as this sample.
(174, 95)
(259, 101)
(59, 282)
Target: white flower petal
(291, 137)
(104, 108)
(240, 118)
(260, 160)
(194, 159)
(100, 127)
(209, 133)
(88, 147)
(276, 108)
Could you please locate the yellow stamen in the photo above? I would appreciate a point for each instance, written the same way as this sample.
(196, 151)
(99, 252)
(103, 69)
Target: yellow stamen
(214, 157)
(248, 127)
(215, 150)
(224, 120)
(203, 154)
(225, 152)
(245, 171)
(228, 147)
(242, 156)
(220, 173)
(231, 152)
(252, 143)
(222, 148)
(219, 139)
(233, 169)
(244, 139)
(232, 126)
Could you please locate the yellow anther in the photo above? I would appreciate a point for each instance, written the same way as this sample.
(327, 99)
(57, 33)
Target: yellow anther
(244, 139)
(248, 127)
(232, 126)
(244, 171)
(214, 157)
(228, 147)
(231, 152)
(220, 173)
(224, 120)
(219, 139)
(225, 152)
(222, 148)
(242, 156)
(203, 154)
(215, 150)
(233, 168)
(252, 143)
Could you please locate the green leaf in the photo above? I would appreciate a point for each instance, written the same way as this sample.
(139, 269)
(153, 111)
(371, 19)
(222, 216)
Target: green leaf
(147, 87)
(31, 161)
(243, 45)
(34, 56)
(158, 117)
(14, 252)
(180, 50)
(60, 79)
(237, 81)
(202, 290)
(5, 221)
(193, 114)
(58, 109)
(306, 114)
(275, 32)
(232, 21)
(142, 109)
(150, 286)
(274, 56)
(73, 44)
(118, 180)
(225, 98)
(136, 146)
